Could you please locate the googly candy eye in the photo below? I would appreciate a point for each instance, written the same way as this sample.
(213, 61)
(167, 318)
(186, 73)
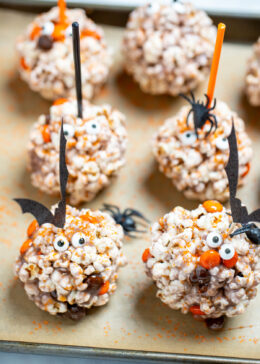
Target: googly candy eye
(61, 244)
(188, 138)
(222, 143)
(214, 239)
(78, 240)
(68, 31)
(229, 255)
(48, 28)
(69, 130)
(92, 127)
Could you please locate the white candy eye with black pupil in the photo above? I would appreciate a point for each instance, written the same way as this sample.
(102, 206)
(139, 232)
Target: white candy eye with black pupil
(222, 143)
(214, 239)
(188, 138)
(227, 251)
(92, 127)
(69, 130)
(60, 243)
(78, 240)
(48, 28)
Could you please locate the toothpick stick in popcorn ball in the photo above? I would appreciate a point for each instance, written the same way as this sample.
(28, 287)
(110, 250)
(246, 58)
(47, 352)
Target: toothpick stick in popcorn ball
(76, 54)
(62, 11)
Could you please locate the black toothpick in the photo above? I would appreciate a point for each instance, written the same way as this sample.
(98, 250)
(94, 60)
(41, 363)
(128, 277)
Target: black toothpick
(77, 64)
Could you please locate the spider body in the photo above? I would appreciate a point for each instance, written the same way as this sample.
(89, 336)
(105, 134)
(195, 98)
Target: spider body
(126, 219)
(201, 113)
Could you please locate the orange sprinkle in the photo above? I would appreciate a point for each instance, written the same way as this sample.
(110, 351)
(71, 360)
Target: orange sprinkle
(210, 259)
(25, 246)
(23, 64)
(248, 166)
(104, 289)
(58, 33)
(59, 101)
(35, 32)
(212, 206)
(32, 227)
(195, 310)
(89, 33)
(231, 262)
(91, 219)
(45, 133)
(146, 255)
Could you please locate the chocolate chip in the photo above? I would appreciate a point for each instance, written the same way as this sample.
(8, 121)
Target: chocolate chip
(45, 42)
(215, 323)
(94, 283)
(200, 276)
(76, 312)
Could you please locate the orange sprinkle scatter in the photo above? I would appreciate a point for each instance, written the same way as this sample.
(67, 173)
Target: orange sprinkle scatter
(104, 289)
(89, 33)
(35, 32)
(24, 65)
(58, 33)
(195, 310)
(146, 255)
(32, 227)
(247, 170)
(46, 133)
(210, 259)
(212, 206)
(25, 246)
(91, 219)
(59, 101)
(231, 262)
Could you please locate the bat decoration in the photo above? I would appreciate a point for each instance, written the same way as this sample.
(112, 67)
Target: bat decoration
(201, 113)
(42, 214)
(126, 219)
(239, 213)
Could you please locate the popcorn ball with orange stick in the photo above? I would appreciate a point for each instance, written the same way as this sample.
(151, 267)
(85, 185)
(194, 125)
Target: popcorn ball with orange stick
(207, 261)
(192, 148)
(45, 50)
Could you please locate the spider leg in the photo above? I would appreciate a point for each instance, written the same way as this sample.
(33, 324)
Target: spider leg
(187, 119)
(211, 127)
(112, 208)
(131, 212)
(215, 122)
(192, 96)
(186, 98)
(214, 105)
(207, 102)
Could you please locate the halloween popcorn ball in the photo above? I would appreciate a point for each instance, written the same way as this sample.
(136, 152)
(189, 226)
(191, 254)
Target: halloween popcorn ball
(95, 149)
(253, 76)
(45, 53)
(168, 47)
(202, 261)
(192, 149)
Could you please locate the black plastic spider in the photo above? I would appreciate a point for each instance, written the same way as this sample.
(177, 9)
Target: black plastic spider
(201, 113)
(125, 219)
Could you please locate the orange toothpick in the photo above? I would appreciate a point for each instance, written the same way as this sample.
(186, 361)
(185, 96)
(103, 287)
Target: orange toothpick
(215, 61)
(62, 9)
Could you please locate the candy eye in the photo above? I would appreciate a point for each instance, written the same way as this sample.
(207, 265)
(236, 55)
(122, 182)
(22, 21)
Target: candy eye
(188, 138)
(227, 251)
(68, 31)
(214, 239)
(69, 130)
(222, 143)
(78, 240)
(48, 28)
(61, 243)
(92, 127)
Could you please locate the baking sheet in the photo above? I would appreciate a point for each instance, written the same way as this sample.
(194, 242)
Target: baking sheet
(134, 319)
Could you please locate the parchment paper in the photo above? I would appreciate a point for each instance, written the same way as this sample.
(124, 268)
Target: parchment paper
(134, 319)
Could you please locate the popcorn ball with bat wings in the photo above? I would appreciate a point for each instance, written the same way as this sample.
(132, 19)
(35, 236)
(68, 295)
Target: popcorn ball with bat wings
(207, 261)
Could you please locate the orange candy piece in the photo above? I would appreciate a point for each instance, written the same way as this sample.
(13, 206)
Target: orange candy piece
(35, 32)
(24, 65)
(195, 310)
(59, 101)
(25, 246)
(231, 262)
(210, 259)
(45, 133)
(247, 170)
(104, 289)
(146, 255)
(58, 33)
(212, 206)
(89, 33)
(32, 227)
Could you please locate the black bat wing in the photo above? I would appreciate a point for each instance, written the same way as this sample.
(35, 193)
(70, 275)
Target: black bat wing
(39, 211)
(254, 216)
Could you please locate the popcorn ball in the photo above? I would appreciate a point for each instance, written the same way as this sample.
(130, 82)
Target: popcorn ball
(65, 271)
(168, 47)
(194, 159)
(253, 76)
(95, 149)
(198, 267)
(46, 58)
